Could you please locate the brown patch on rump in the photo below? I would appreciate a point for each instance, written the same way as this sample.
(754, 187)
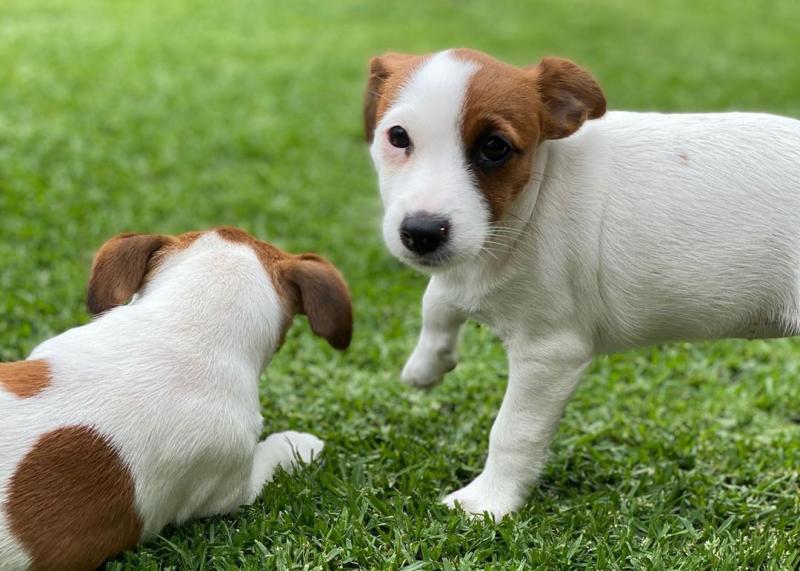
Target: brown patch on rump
(71, 501)
(387, 75)
(25, 378)
(523, 105)
(309, 285)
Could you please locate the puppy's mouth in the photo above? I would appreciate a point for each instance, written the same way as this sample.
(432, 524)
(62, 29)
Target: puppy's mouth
(429, 263)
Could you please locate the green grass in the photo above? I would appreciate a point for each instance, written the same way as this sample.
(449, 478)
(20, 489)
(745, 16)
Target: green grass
(176, 115)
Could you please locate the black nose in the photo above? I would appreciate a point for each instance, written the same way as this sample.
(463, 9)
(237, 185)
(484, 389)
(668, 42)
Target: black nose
(424, 233)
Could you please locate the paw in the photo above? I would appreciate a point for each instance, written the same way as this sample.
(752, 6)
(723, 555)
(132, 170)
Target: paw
(286, 449)
(481, 497)
(303, 446)
(426, 368)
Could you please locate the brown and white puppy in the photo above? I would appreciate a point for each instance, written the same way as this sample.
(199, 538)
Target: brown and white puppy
(574, 232)
(150, 415)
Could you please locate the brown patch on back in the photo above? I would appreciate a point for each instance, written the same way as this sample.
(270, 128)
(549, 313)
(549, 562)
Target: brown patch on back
(523, 105)
(387, 76)
(71, 501)
(25, 378)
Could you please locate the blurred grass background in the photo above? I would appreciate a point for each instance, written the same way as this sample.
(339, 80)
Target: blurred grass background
(178, 115)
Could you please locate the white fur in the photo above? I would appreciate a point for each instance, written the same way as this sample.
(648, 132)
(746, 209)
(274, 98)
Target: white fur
(638, 229)
(172, 381)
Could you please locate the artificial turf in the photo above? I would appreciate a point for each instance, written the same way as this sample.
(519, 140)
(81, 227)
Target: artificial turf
(183, 114)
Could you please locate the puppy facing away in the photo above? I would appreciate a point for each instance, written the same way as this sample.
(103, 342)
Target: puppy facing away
(574, 232)
(149, 415)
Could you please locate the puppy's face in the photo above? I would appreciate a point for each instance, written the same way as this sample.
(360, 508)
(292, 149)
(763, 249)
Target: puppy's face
(208, 268)
(453, 138)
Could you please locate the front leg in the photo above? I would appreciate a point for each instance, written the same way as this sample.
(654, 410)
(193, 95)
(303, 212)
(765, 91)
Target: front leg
(435, 353)
(542, 377)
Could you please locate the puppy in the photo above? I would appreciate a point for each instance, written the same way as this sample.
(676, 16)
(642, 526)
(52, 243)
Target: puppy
(573, 232)
(149, 415)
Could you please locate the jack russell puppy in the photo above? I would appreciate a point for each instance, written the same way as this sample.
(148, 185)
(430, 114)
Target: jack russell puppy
(573, 232)
(149, 415)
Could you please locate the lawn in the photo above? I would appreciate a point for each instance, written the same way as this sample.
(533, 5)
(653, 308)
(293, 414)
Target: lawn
(183, 114)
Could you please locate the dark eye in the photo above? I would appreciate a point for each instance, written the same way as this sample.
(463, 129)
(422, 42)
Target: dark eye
(493, 151)
(398, 137)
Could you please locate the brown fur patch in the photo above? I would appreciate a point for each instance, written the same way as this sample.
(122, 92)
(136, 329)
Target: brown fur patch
(501, 99)
(25, 378)
(524, 106)
(387, 75)
(308, 283)
(71, 501)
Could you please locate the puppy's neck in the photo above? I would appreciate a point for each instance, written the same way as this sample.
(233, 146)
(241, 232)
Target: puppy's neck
(206, 313)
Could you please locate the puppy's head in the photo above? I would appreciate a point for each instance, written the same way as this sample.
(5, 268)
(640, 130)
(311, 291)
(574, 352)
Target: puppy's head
(453, 138)
(212, 268)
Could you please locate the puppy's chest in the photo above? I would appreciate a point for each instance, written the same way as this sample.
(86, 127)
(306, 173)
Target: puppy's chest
(503, 312)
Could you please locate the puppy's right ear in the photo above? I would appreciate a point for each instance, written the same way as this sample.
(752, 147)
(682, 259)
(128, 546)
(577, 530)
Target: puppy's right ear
(381, 69)
(119, 269)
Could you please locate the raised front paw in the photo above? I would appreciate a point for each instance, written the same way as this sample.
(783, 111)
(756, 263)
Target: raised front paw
(426, 368)
(480, 497)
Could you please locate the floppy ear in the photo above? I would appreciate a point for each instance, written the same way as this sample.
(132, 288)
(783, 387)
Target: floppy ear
(570, 96)
(119, 269)
(381, 68)
(323, 297)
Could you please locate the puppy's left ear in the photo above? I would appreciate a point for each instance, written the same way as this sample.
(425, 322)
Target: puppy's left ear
(119, 269)
(381, 69)
(323, 297)
(569, 94)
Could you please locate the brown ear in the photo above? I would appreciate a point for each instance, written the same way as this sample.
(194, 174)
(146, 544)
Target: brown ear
(381, 70)
(570, 96)
(119, 269)
(323, 297)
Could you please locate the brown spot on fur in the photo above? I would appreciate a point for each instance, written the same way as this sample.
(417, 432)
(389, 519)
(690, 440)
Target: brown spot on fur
(71, 501)
(387, 75)
(683, 158)
(308, 283)
(25, 378)
(524, 106)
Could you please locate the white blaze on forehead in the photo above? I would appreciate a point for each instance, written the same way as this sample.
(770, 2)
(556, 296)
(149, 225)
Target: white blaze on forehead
(435, 93)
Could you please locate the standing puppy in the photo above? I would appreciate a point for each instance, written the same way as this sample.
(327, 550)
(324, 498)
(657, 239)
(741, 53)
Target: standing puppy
(639, 228)
(149, 415)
